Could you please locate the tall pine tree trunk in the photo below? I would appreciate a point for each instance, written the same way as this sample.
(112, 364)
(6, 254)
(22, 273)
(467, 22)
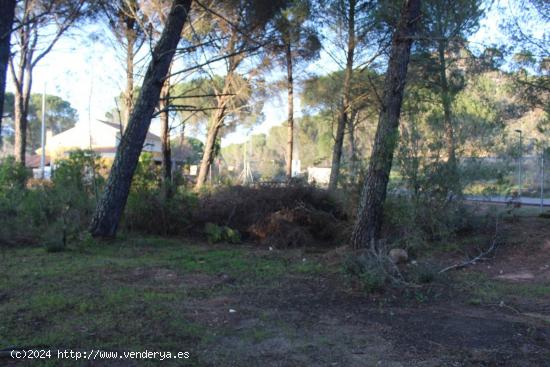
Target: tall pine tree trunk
(22, 78)
(21, 108)
(6, 23)
(129, 92)
(210, 146)
(164, 104)
(223, 100)
(109, 210)
(290, 119)
(344, 108)
(369, 217)
(445, 94)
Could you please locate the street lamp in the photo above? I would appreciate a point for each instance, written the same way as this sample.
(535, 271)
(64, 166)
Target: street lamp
(43, 135)
(519, 164)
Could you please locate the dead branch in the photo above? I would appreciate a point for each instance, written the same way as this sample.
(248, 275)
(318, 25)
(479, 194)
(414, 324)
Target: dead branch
(483, 255)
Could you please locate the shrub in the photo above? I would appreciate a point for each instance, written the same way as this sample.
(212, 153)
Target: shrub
(79, 172)
(423, 273)
(415, 222)
(215, 234)
(368, 271)
(153, 209)
(47, 211)
(282, 216)
(12, 175)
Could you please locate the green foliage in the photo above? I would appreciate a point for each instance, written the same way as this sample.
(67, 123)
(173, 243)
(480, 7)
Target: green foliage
(240, 108)
(370, 273)
(415, 224)
(154, 209)
(12, 175)
(54, 245)
(215, 234)
(49, 212)
(80, 172)
(150, 211)
(423, 273)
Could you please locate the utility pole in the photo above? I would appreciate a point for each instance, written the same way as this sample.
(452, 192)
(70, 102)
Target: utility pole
(519, 164)
(43, 135)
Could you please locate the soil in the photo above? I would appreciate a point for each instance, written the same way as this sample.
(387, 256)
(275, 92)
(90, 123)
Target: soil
(316, 321)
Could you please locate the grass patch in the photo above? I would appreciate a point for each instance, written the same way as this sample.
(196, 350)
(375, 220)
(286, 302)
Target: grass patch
(107, 295)
(483, 289)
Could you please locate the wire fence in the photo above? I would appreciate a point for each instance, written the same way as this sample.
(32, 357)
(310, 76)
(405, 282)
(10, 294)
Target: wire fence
(527, 176)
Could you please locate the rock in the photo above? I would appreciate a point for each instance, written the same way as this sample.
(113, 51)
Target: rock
(398, 255)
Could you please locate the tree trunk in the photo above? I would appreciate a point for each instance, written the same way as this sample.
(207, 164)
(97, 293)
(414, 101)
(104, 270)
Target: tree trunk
(6, 23)
(129, 92)
(344, 108)
(290, 89)
(210, 146)
(452, 169)
(164, 104)
(369, 217)
(20, 122)
(21, 107)
(352, 147)
(223, 99)
(109, 210)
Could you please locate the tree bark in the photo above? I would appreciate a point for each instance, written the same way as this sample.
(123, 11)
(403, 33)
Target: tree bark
(344, 108)
(109, 210)
(164, 104)
(352, 146)
(210, 146)
(453, 176)
(369, 217)
(6, 23)
(223, 100)
(23, 84)
(290, 121)
(131, 37)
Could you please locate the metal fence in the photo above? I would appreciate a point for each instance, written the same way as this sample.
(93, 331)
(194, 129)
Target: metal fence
(525, 177)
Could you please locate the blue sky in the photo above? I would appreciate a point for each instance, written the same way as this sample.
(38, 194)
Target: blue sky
(89, 74)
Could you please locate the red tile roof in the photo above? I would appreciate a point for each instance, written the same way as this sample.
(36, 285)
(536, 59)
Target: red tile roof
(33, 161)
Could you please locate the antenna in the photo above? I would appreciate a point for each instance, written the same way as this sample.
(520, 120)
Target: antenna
(246, 176)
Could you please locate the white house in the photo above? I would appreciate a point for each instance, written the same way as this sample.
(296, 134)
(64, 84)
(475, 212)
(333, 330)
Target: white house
(318, 175)
(100, 136)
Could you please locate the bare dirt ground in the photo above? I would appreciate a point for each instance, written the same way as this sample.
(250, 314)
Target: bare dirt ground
(490, 314)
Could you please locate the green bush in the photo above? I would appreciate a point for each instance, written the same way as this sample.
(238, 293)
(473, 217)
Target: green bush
(215, 234)
(154, 209)
(42, 211)
(151, 211)
(414, 224)
(423, 273)
(12, 175)
(367, 271)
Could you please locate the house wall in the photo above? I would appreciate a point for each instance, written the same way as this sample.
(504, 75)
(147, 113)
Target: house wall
(100, 135)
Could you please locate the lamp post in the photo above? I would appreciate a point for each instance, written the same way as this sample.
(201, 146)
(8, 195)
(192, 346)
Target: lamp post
(519, 163)
(43, 135)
